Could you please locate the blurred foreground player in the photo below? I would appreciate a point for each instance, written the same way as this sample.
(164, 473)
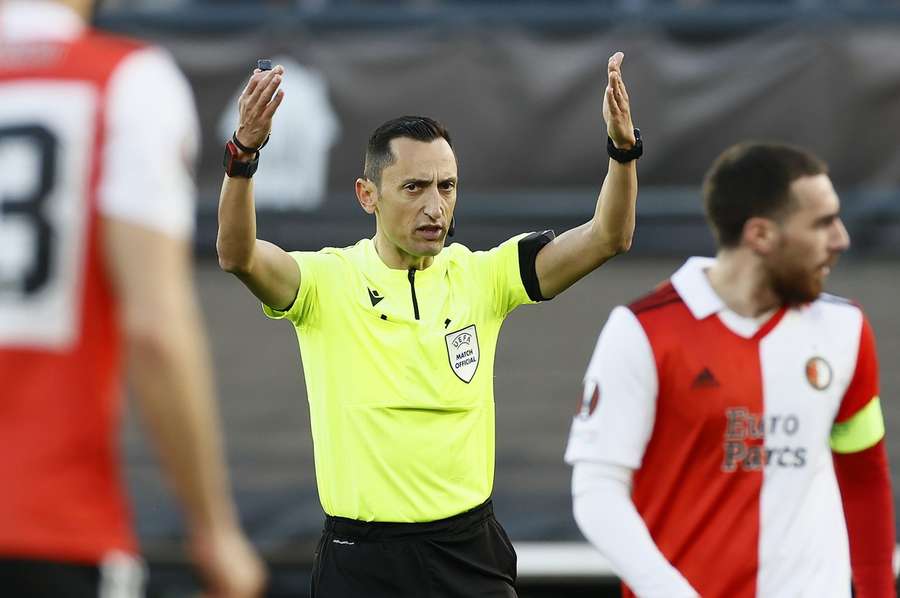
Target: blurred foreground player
(96, 215)
(730, 437)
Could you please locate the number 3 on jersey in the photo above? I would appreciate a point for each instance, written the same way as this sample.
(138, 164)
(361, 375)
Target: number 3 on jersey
(28, 206)
(46, 142)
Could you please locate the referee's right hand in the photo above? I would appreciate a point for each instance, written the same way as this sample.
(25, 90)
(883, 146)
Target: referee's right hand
(257, 104)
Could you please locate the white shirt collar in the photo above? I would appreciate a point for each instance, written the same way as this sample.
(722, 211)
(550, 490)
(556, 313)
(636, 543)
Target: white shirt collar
(692, 285)
(37, 20)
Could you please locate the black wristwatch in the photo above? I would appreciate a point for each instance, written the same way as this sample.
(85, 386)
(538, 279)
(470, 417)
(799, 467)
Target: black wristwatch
(623, 156)
(235, 167)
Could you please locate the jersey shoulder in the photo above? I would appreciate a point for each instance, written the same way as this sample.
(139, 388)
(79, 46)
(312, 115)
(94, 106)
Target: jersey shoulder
(827, 298)
(457, 252)
(662, 297)
(112, 42)
(98, 53)
(349, 255)
(829, 308)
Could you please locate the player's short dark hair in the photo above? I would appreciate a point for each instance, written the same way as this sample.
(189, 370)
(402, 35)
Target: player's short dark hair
(378, 152)
(753, 180)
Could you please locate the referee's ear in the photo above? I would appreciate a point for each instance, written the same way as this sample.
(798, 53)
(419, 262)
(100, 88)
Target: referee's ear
(367, 194)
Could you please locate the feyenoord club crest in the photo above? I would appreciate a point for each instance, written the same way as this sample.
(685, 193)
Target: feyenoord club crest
(818, 373)
(462, 350)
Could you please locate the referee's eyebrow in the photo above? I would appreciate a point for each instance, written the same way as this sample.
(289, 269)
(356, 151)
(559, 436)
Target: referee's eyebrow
(427, 182)
(419, 182)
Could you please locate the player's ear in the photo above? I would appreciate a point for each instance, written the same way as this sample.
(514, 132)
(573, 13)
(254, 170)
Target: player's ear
(760, 235)
(367, 194)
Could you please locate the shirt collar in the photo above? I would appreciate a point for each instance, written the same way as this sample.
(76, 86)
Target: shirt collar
(692, 285)
(376, 265)
(38, 20)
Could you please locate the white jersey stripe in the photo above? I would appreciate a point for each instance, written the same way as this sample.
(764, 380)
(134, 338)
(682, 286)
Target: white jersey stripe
(807, 362)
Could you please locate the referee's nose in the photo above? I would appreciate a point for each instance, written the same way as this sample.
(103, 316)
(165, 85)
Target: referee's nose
(433, 201)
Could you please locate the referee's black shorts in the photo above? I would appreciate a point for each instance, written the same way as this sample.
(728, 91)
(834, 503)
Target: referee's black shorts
(465, 556)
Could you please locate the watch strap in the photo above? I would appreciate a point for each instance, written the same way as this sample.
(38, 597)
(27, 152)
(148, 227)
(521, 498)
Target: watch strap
(238, 168)
(623, 155)
(249, 150)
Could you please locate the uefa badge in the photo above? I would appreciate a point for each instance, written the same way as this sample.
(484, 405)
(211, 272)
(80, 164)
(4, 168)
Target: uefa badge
(818, 373)
(462, 351)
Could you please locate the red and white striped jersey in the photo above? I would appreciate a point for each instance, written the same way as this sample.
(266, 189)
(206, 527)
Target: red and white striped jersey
(91, 127)
(729, 424)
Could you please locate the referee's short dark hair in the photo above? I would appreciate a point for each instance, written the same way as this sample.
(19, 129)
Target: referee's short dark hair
(378, 152)
(753, 180)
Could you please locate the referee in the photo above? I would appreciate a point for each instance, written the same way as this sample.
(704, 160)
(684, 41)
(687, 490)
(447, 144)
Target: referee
(398, 335)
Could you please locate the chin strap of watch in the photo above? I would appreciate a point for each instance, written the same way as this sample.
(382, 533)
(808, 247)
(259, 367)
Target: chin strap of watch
(622, 155)
(240, 168)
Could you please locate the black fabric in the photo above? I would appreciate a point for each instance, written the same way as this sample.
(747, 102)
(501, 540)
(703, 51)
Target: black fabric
(463, 556)
(529, 246)
(46, 579)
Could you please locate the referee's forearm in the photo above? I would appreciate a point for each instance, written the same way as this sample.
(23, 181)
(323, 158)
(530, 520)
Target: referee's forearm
(614, 215)
(236, 238)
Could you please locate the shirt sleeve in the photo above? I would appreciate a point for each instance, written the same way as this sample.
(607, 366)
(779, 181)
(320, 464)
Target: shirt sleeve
(150, 146)
(865, 482)
(605, 514)
(509, 270)
(305, 307)
(616, 417)
(859, 423)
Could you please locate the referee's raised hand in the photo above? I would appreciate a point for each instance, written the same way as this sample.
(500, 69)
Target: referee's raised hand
(616, 109)
(257, 105)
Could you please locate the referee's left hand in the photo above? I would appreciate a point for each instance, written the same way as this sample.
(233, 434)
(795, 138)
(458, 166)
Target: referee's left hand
(616, 109)
(257, 105)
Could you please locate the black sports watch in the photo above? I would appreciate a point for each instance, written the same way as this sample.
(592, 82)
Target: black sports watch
(623, 156)
(237, 168)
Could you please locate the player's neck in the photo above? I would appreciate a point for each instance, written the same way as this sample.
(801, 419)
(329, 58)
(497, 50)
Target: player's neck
(742, 284)
(397, 259)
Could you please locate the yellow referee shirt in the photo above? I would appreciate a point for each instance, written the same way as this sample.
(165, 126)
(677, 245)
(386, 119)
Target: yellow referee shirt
(399, 372)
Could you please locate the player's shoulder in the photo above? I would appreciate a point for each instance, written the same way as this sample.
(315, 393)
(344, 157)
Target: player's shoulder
(831, 310)
(104, 51)
(113, 42)
(829, 299)
(131, 65)
(663, 296)
(834, 304)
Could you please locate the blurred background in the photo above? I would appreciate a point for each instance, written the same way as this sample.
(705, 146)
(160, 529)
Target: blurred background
(520, 85)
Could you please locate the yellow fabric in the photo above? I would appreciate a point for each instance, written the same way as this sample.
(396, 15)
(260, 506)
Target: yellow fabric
(861, 431)
(398, 435)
